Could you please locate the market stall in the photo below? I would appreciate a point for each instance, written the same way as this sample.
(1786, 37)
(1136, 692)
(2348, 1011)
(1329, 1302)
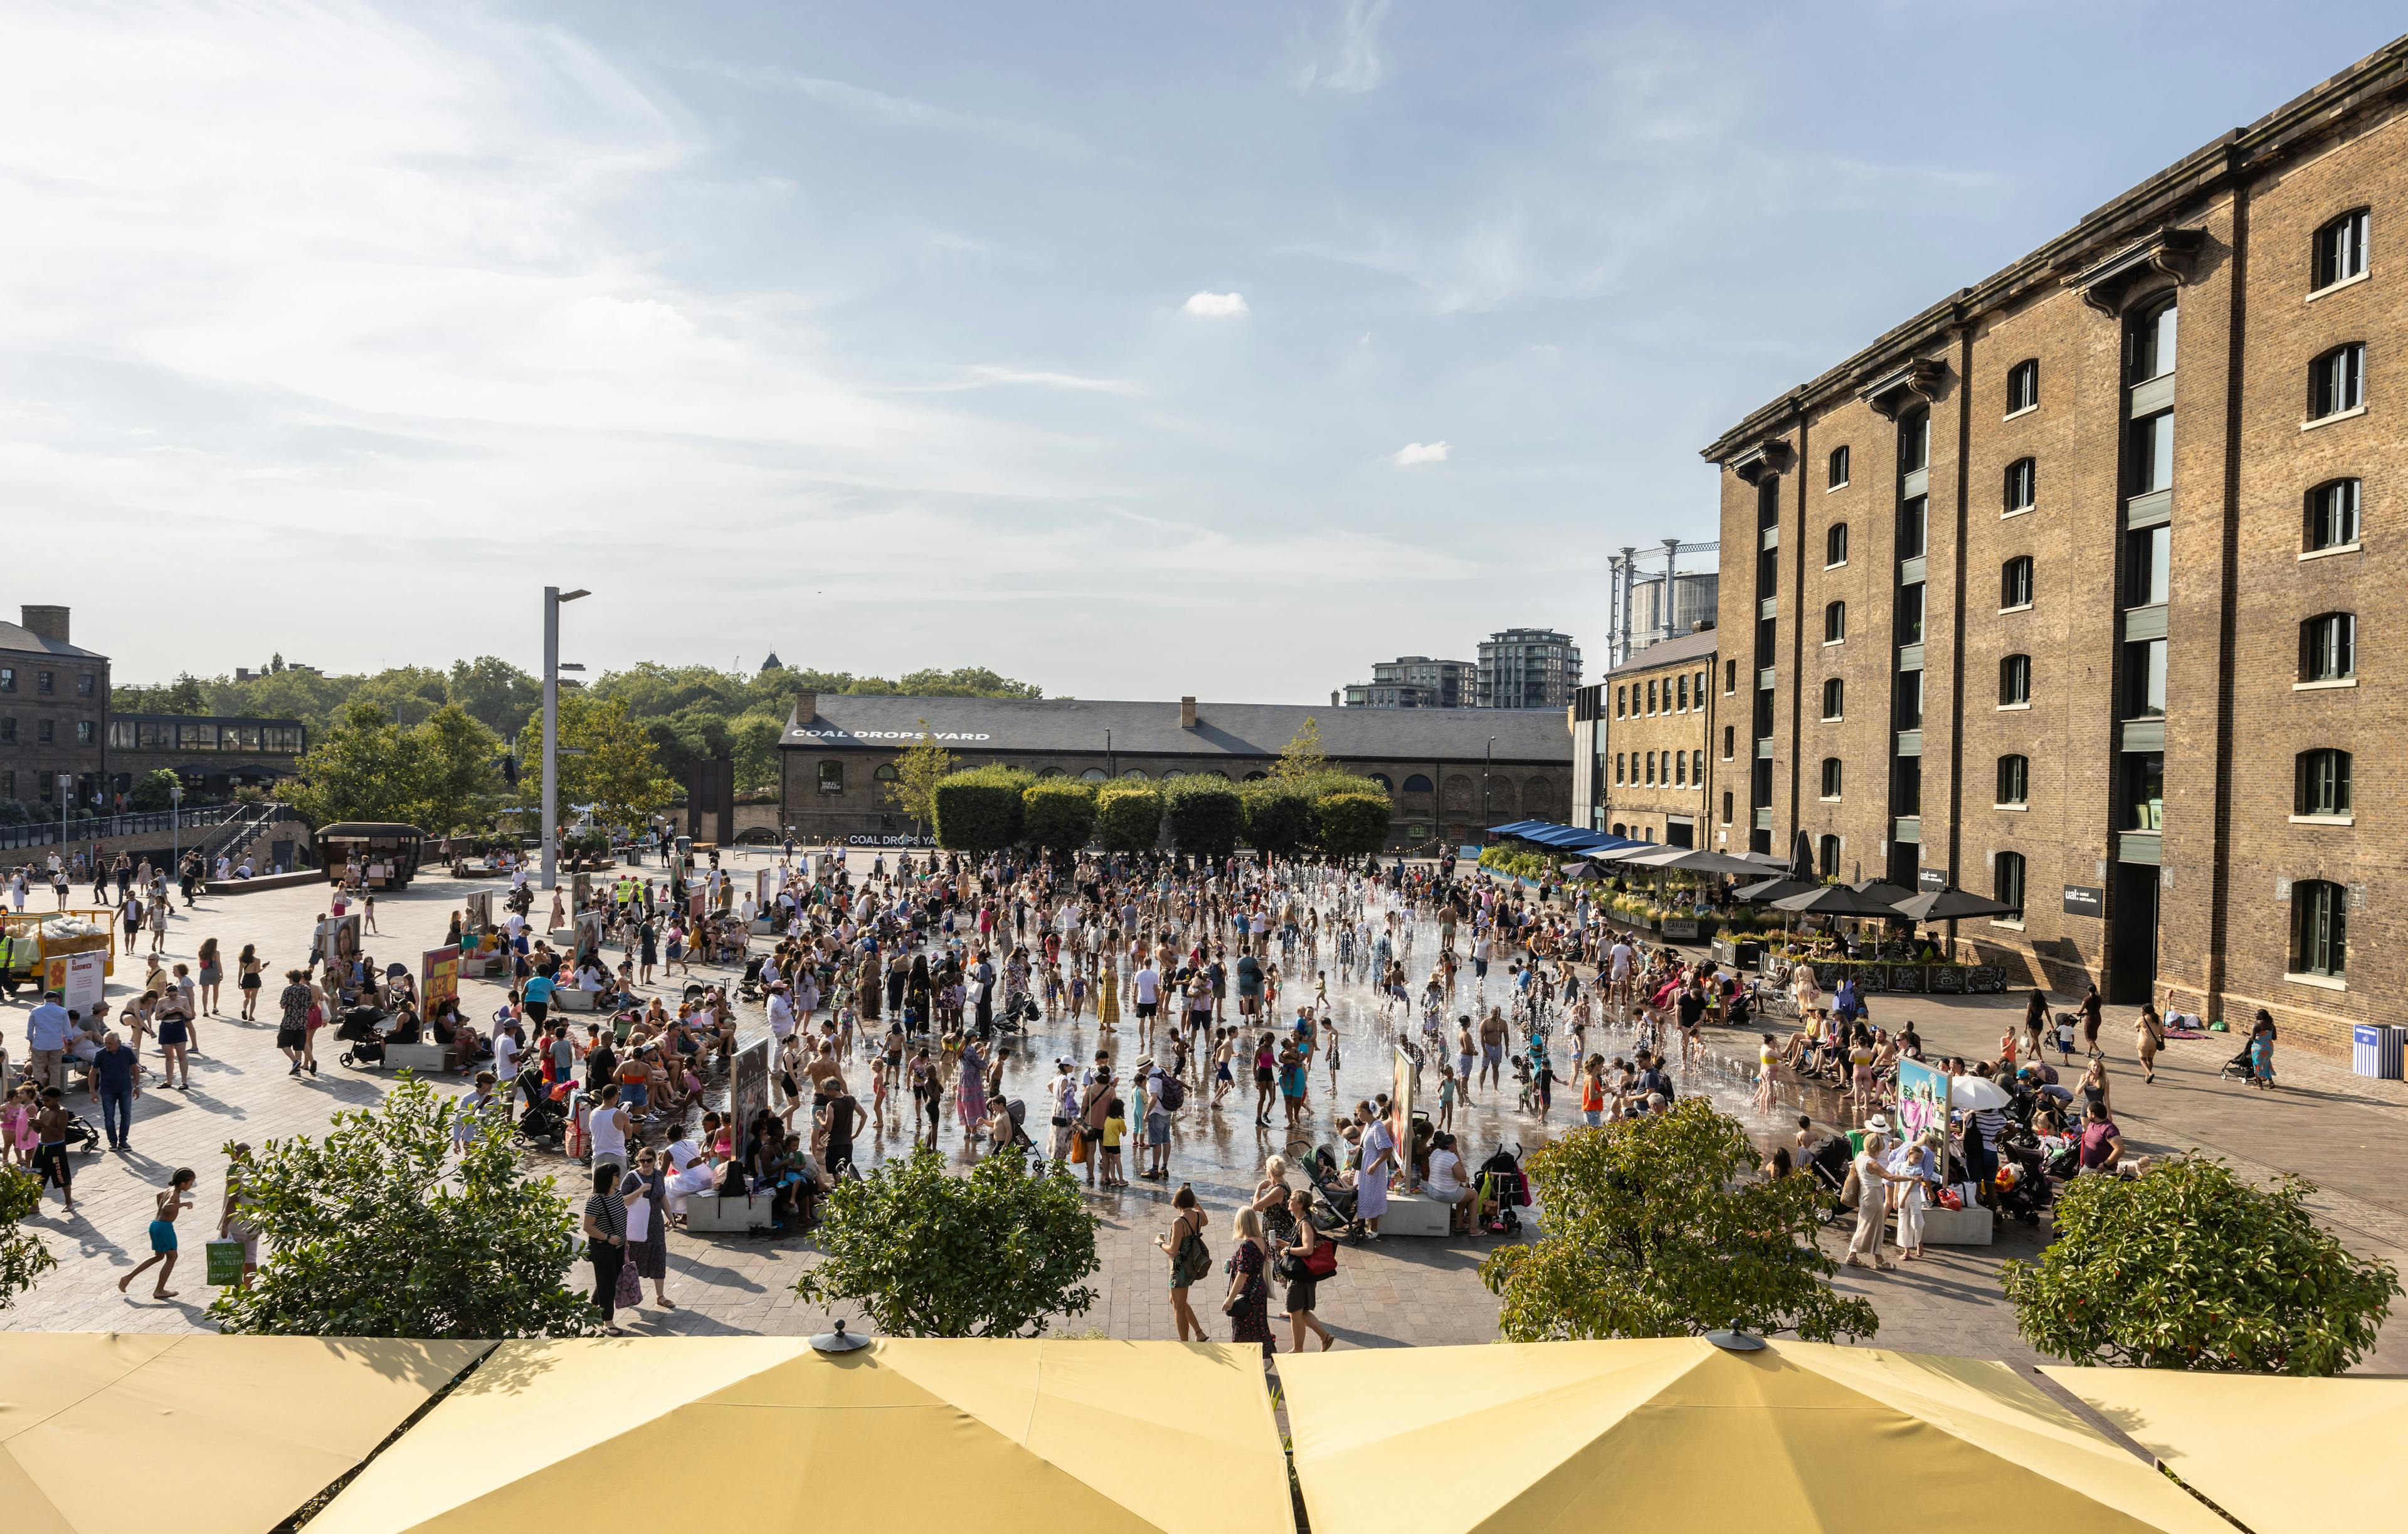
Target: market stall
(41, 943)
(381, 855)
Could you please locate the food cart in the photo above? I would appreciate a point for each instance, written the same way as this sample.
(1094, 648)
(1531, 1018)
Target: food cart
(386, 853)
(40, 943)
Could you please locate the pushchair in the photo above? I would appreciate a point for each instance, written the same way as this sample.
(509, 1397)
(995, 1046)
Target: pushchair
(1333, 1202)
(2026, 1193)
(1504, 1191)
(545, 1122)
(1827, 1164)
(2239, 1068)
(750, 988)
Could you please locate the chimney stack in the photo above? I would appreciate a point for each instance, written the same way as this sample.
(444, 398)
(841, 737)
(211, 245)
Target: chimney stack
(48, 623)
(1333, 697)
(1186, 713)
(807, 707)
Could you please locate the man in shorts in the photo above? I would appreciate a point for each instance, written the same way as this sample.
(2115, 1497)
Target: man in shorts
(1492, 1049)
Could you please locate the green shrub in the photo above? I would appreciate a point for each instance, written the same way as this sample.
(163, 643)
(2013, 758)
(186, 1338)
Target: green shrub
(1354, 825)
(1519, 860)
(1128, 816)
(1279, 816)
(1205, 815)
(1058, 813)
(980, 811)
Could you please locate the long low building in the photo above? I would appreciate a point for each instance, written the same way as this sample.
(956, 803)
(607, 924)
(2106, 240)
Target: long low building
(1451, 771)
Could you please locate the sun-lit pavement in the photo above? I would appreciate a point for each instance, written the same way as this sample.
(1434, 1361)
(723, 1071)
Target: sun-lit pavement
(1395, 1292)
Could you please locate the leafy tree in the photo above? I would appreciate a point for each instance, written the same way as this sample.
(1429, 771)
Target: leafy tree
(992, 1254)
(1660, 1227)
(363, 766)
(2189, 1266)
(1353, 825)
(1128, 816)
(155, 789)
(459, 790)
(1302, 756)
(618, 768)
(917, 770)
(375, 1231)
(1058, 813)
(1205, 815)
(497, 694)
(410, 694)
(24, 1257)
(1279, 815)
(979, 810)
(754, 738)
(962, 681)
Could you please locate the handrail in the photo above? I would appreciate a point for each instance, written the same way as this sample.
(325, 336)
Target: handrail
(101, 827)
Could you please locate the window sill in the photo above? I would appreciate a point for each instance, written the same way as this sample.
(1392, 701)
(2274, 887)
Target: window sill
(2014, 707)
(2018, 511)
(2323, 686)
(2324, 820)
(2012, 809)
(2350, 414)
(1833, 644)
(2019, 607)
(2328, 554)
(2331, 288)
(2011, 927)
(2322, 982)
(1826, 719)
(1841, 486)
(2027, 409)
(1837, 564)
(1828, 799)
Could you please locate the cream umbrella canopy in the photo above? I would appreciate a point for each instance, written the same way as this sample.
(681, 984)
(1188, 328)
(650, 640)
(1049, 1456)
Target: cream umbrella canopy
(2283, 1453)
(102, 1433)
(1000, 1436)
(1676, 1433)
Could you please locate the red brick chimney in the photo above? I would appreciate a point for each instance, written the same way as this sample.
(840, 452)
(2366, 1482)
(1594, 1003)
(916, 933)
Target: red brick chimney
(49, 622)
(807, 707)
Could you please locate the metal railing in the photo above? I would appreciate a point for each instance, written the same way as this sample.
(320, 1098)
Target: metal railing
(242, 831)
(101, 827)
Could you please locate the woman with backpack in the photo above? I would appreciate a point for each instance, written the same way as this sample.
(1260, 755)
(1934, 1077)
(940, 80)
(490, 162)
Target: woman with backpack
(1190, 1260)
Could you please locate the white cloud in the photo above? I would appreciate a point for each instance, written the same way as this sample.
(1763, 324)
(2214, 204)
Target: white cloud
(865, 104)
(1358, 58)
(985, 375)
(1216, 306)
(1413, 453)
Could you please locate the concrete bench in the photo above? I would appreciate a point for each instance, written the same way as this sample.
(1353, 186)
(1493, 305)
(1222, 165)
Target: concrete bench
(426, 1059)
(1411, 1214)
(572, 1000)
(709, 1214)
(1958, 1227)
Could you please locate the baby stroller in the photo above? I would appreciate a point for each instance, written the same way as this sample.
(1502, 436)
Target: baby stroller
(367, 1045)
(1333, 1202)
(750, 988)
(1827, 1164)
(1504, 1191)
(545, 1122)
(82, 1136)
(2026, 1193)
(2239, 1068)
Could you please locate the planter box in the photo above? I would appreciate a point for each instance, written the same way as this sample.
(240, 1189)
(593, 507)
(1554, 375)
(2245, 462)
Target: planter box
(1679, 929)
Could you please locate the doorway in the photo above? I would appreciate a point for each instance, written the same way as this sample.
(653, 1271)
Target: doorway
(2132, 933)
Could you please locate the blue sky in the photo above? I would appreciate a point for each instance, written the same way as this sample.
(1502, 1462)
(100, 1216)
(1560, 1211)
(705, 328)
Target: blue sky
(1134, 350)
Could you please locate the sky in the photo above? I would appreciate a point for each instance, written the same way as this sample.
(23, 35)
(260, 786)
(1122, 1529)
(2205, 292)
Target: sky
(1133, 350)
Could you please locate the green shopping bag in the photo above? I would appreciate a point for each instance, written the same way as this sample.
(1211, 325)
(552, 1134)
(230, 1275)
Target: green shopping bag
(224, 1263)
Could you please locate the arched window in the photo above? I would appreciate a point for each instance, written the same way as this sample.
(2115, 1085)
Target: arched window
(1835, 545)
(2022, 487)
(1134, 772)
(2340, 252)
(1651, 698)
(1651, 769)
(2328, 647)
(1417, 783)
(2023, 385)
(2007, 883)
(886, 773)
(1680, 690)
(2337, 381)
(831, 777)
(1620, 830)
(1169, 773)
(1831, 776)
(1835, 622)
(1095, 775)
(1381, 778)
(1838, 474)
(2319, 928)
(1617, 767)
(2014, 681)
(1827, 857)
(1536, 793)
(1835, 697)
(1049, 772)
(2333, 515)
(2015, 583)
(2014, 780)
(2323, 786)
(1257, 776)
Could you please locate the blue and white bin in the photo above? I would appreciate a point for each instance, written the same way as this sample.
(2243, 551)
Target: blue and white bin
(2374, 1049)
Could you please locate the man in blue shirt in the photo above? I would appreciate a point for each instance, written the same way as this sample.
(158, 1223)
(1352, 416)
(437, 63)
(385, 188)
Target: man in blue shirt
(116, 1083)
(537, 995)
(46, 1036)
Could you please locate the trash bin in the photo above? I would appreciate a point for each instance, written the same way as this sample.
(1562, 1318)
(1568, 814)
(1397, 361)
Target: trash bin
(2374, 1049)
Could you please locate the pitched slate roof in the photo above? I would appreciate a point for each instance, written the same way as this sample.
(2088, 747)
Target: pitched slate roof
(23, 640)
(1057, 726)
(1671, 652)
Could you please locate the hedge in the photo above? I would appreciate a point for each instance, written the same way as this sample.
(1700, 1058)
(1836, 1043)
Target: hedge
(1128, 817)
(1279, 816)
(1354, 825)
(979, 811)
(1514, 860)
(1058, 813)
(1205, 815)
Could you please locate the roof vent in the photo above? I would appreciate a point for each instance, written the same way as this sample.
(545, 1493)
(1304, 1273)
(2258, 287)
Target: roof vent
(1187, 713)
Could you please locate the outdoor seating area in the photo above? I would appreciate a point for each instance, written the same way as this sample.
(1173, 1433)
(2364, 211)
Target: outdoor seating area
(1708, 1433)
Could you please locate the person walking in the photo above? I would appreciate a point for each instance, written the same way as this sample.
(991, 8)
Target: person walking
(1304, 1279)
(1873, 1179)
(292, 1005)
(647, 1237)
(1190, 1261)
(212, 974)
(172, 1200)
(1248, 1302)
(247, 979)
(116, 1082)
(606, 1244)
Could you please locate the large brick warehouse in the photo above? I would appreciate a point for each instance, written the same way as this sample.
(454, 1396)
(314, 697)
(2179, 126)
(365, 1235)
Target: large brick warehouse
(2071, 588)
(1450, 771)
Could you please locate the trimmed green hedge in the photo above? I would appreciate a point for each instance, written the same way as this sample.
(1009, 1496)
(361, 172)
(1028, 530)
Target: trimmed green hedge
(1354, 825)
(1128, 816)
(980, 811)
(1528, 864)
(1279, 816)
(1206, 814)
(1058, 813)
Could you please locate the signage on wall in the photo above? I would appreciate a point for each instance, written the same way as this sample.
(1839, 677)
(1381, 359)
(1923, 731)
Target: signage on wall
(888, 838)
(1931, 879)
(892, 734)
(2085, 900)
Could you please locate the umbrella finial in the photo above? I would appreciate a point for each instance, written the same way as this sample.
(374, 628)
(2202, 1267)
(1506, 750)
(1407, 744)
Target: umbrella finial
(1736, 1341)
(839, 1340)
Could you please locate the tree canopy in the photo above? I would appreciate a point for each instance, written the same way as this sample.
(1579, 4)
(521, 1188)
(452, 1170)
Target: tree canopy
(438, 776)
(616, 767)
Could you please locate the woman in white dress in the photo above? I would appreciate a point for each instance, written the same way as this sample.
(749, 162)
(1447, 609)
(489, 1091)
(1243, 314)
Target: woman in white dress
(1372, 1183)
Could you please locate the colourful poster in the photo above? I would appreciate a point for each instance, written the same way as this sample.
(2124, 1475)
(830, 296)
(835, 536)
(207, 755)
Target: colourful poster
(1400, 1107)
(1922, 1099)
(438, 976)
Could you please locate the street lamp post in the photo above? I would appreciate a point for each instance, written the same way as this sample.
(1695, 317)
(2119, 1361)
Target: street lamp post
(1112, 762)
(1488, 761)
(176, 823)
(553, 597)
(66, 797)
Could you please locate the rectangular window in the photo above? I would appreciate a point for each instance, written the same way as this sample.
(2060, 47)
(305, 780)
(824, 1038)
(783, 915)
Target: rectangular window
(2333, 515)
(2340, 249)
(2148, 564)
(46, 732)
(1727, 807)
(1910, 613)
(1915, 442)
(121, 735)
(2142, 793)
(1906, 786)
(2149, 454)
(7, 678)
(2328, 648)
(45, 682)
(1913, 518)
(7, 734)
(831, 777)
(2144, 678)
(1909, 700)
(196, 737)
(2149, 345)
(83, 684)
(87, 731)
(2324, 783)
(1682, 686)
(2319, 928)
(1698, 768)
(1730, 676)
(2337, 381)
(2008, 889)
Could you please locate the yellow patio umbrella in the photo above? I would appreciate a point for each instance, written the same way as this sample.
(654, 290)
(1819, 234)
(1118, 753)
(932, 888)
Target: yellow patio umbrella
(104, 1433)
(1678, 1433)
(764, 1434)
(2280, 1453)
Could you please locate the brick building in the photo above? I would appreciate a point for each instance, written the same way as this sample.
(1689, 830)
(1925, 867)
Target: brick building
(1451, 772)
(213, 754)
(1641, 739)
(2077, 579)
(53, 710)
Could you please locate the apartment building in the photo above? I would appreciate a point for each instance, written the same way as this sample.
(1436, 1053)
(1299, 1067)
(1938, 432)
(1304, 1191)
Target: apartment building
(1528, 668)
(1641, 740)
(2070, 589)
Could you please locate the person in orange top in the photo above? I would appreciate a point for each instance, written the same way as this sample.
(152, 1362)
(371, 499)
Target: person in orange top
(1593, 1091)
